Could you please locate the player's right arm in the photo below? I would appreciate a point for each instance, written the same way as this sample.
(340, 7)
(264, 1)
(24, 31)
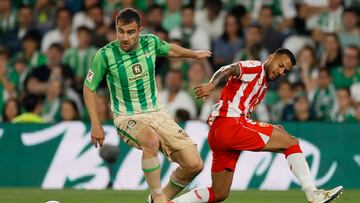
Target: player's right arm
(204, 90)
(91, 83)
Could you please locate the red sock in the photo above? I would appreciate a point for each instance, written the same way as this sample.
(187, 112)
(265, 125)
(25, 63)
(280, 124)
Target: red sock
(211, 195)
(292, 150)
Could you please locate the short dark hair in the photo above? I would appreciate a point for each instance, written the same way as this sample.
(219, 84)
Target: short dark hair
(57, 46)
(326, 71)
(83, 29)
(284, 51)
(129, 15)
(30, 102)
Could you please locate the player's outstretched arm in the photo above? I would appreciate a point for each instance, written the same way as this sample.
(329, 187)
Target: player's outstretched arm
(97, 132)
(177, 51)
(204, 90)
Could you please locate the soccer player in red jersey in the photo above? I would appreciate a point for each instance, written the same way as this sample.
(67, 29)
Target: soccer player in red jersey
(232, 130)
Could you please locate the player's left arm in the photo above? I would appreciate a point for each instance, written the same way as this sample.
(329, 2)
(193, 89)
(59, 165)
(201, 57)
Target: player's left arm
(177, 51)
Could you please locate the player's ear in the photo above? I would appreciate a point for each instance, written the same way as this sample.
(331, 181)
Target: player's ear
(271, 57)
(141, 28)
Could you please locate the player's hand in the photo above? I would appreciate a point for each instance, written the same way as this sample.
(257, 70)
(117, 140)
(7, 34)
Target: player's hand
(203, 90)
(97, 135)
(202, 54)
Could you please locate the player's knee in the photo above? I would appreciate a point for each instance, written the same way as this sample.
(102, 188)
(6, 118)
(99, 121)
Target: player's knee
(151, 141)
(195, 166)
(293, 140)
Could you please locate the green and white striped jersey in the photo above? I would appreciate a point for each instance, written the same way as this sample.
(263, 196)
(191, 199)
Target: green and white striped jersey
(130, 75)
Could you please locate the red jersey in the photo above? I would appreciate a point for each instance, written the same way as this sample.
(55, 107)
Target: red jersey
(242, 93)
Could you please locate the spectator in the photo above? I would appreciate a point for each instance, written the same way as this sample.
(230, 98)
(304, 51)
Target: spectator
(197, 74)
(286, 101)
(19, 74)
(172, 15)
(349, 72)
(211, 18)
(111, 7)
(271, 39)
(45, 14)
(7, 88)
(24, 25)
(80, 58)
(173, 98)
(284, 12)
(191, 35)
(62, 33)
(180, 64)
(31, 53)
(242, 15)
(330, 20)
(54, 69)
(7, 17)
(32, 107)
(69, 111)
(323, 97)
(331, 56)
(52, 104)
(98, 37)
(229, 43)
(253, 49)
(306, 70)
(11, 110)
(349, 34)
(345, 112)
(302, 109)
(83, 18)
(154, 18)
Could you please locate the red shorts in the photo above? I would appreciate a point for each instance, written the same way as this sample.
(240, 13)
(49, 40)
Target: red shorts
(229, 136)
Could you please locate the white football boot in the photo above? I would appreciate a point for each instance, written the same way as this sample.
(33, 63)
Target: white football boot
(324, 196)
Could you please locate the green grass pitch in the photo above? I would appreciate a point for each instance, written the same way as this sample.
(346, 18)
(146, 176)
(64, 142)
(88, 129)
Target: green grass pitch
(22, 195)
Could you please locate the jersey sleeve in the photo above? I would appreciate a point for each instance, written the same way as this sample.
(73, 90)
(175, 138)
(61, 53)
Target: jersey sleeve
(97, 71)
(249, 70)
(162, 47)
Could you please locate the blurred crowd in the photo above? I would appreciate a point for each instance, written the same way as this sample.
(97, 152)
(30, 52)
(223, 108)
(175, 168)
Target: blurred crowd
(47, 47)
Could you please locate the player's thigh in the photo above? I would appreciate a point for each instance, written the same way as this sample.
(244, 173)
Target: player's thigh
(188, 158)
(136, 131)
(279, 141)
(239, 134)
(221, 183)
(172, 137)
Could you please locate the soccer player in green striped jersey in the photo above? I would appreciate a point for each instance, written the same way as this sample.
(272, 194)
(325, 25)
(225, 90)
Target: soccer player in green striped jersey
(128, 64)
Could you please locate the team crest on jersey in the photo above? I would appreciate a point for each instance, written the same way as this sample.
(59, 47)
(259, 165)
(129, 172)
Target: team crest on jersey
(263, 124)
(137, 69)
(90, 76)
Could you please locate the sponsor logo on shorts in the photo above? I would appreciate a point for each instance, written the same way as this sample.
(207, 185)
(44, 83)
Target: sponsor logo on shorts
(130, 125)
(182, 133)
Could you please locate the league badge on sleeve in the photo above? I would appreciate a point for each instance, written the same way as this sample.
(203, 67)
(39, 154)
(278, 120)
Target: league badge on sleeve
(90, 76)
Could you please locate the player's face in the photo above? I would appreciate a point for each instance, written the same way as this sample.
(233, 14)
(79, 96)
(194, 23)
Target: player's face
(128, 35)
(278, 66)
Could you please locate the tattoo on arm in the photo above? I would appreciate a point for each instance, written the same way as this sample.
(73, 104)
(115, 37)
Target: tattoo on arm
(225, 72)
